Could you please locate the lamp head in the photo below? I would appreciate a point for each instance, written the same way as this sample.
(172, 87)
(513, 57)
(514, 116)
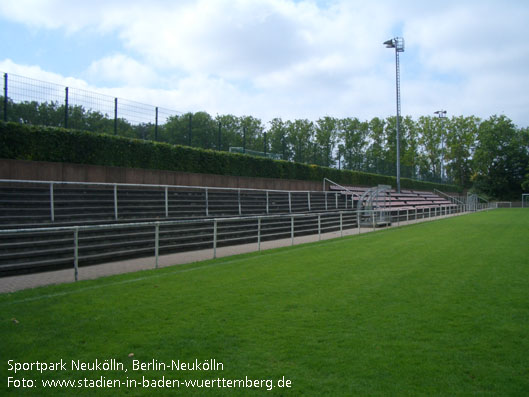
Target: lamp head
(397, 43)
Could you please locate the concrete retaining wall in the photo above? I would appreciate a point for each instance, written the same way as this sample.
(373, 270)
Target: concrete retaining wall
(68, 172)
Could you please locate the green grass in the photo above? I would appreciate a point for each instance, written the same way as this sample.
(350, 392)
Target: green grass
(438, 308)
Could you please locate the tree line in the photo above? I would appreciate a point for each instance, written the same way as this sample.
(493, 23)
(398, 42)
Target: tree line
(490, 156)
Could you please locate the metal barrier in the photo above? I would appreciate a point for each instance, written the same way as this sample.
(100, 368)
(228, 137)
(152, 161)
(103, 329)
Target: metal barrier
(166, 189)
(292, 225)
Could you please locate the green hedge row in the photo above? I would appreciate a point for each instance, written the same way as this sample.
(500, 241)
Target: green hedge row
(19, 141)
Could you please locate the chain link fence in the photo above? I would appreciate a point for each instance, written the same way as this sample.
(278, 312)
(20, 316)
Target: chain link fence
(30, 101)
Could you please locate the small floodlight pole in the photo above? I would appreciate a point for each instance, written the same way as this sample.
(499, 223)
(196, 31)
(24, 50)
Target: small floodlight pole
(398, 44)
(442, 116)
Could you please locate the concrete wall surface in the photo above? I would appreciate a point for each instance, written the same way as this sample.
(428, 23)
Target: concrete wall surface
(68, 172)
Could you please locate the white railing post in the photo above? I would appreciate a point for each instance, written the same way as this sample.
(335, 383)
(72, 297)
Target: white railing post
(52, 203)
(326, 207)
(373, 218)
(267, 202)
(319, 227)
(289, 202)
(166, 202)
(341, 225)
(116, 201)
(292, 229)
(336, 199)
(214, 239)
(156, 243)
(308, 199)
(259, 234)
(207, 203)
(76, 253)
(239, 200)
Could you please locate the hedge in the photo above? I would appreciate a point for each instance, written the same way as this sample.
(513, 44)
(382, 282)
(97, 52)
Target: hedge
(38, 143)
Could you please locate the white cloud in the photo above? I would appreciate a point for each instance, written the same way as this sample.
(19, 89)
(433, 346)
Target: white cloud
(35, 72)
(303, 59)
(121, 70)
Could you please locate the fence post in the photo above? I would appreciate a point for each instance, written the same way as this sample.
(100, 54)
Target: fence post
(267, 202)
(52, 203)
(373, 218)
(398, 218)
(207, 203)
(116, 201)
(5, 97)
(319, 227)
(292, 229)
(166, 202)
(239, 200)
(336, 199)
(66, 107)
(156, 243)
(214, 238)
(76, 252)
(289, 202)
(115, 116)
(326, 201)
(308, 199)
(341, 227)
(259, 234)
(156, 124)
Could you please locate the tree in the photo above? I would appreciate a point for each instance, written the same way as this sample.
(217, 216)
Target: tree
(430, 148)
(278, 138)
(461, 135)
(375, 153)
(231, 131)
(501, 158)
(325, 140)
(300, 133)
(353, 134)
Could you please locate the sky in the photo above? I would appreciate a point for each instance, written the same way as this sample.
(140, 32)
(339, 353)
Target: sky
(279, 58)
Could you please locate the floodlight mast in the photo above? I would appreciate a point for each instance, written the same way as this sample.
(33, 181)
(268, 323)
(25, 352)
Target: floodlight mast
(442, 116)
(398, 44)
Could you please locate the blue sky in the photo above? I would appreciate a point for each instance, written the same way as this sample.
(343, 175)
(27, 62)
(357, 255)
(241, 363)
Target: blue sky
(279, 58)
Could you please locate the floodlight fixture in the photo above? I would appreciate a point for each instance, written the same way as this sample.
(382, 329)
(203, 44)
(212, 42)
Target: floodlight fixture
(441, 114)
(398, 44)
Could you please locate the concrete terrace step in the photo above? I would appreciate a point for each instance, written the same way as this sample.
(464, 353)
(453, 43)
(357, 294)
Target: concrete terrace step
(33, 252)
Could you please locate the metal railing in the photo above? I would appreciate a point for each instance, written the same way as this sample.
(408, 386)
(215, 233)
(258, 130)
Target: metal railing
(318, 223)
(115, 187)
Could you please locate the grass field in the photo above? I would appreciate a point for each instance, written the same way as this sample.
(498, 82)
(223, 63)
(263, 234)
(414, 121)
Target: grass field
(437, 308)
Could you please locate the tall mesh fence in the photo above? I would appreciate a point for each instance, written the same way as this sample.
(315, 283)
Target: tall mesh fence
(30, 101)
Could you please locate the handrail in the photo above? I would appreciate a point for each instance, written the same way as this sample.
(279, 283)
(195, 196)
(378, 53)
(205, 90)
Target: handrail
(148, 185)
(446, 195)
(337, 184)
(164, 223)
(446, 210)
(478, 196)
